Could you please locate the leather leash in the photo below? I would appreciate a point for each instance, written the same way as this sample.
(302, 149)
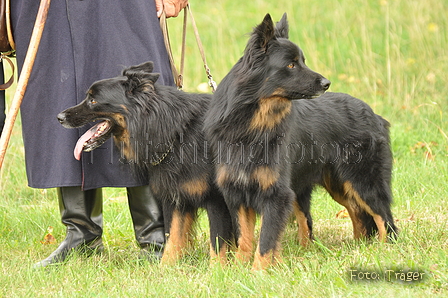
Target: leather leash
(11, 79)
(178, 76)
(4, 56)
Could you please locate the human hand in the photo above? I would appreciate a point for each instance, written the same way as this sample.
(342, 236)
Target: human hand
(171, 7)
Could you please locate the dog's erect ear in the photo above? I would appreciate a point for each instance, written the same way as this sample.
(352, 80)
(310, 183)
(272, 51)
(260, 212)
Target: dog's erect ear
(146, 67)
(263, 33)
(141, 71)
(153, 77)
(140, 76)
(282, 27)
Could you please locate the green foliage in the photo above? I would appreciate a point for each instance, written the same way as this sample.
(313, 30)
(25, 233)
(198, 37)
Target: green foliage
(391, 54)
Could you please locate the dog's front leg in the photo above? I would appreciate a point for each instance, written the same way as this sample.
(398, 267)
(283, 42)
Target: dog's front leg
(221, 227)
(178, 236)
(246, 219)
(274, 216)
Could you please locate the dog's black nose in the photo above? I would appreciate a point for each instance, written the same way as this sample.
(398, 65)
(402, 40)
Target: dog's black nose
(61, 117)
(325, 83)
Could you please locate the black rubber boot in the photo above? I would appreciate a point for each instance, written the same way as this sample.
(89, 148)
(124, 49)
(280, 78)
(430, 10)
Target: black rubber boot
(147, 218)
(81, 213)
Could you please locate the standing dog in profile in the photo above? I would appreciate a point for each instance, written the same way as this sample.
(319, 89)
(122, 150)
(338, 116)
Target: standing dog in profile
(159, 129)
(274, 139)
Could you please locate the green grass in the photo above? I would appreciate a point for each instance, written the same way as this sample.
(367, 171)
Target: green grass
(392, 54)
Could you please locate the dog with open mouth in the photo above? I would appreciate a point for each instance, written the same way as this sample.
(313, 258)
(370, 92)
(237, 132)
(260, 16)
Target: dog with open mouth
(259, 145)
(158, 129)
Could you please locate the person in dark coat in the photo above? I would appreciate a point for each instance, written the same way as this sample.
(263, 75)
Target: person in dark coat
(84, 41)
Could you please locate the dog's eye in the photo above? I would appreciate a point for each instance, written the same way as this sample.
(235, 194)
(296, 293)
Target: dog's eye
(291, 65)
(92, 101)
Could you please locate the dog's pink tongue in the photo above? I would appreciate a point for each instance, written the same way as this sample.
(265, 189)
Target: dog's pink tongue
(80, 144)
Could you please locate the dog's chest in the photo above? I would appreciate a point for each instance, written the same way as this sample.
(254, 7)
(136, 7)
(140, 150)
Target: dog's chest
(259, 163)
(270, 112)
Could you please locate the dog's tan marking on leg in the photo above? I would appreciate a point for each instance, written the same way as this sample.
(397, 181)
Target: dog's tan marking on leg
(379, 221)
(302, 225)
(270, 112)
(265, 176)
(263, 262)
(246, 222)
(180, 231)
(348, 202)
(358, 228)
(353, 211)
(381, 224)
(219, 257)
(273, 256)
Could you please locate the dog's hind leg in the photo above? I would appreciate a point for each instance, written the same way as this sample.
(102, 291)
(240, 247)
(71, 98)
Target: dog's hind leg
(357, 215)
(221, 227)
(303, 216)
(180, 229)
(274, 216)
(359, 228)
(379, 209)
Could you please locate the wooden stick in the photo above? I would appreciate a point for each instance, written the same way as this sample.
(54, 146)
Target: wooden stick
(24, 76)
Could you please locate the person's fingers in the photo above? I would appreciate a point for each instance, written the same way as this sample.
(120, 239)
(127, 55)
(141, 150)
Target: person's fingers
(173, 7)
(159, 7)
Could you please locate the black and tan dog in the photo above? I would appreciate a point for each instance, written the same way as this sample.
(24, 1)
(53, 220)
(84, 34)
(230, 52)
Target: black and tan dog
(273, 141)
(159, 128)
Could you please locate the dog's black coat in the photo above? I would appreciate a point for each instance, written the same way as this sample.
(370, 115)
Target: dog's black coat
(270, 151)
(159, 129)
(337, 139)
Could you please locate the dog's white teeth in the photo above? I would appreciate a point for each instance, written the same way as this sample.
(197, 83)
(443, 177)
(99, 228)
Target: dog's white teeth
(100, 130)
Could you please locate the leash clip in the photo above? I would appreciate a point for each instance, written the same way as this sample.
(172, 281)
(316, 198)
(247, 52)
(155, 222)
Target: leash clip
(178, 76)
(211, 82)
(180, 82)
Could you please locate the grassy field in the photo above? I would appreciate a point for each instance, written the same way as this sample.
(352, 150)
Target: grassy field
(391, 54)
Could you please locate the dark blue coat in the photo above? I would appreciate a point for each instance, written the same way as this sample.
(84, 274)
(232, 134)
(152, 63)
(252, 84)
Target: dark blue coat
(83, 41)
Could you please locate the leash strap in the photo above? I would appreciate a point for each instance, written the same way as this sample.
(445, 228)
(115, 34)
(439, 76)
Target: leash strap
(166, 39)
(182, 57)
(211, 82)
(178, 76)
(8, 25)
(4, 56)
(11, 79)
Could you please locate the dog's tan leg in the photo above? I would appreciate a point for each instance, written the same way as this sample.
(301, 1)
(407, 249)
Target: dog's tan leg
(302, 226)
(381, 224)
(346, 200)
(263, 262)
(220, 257)
(246, 222)
(379, 221)
(181, 226)
(358, 229)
